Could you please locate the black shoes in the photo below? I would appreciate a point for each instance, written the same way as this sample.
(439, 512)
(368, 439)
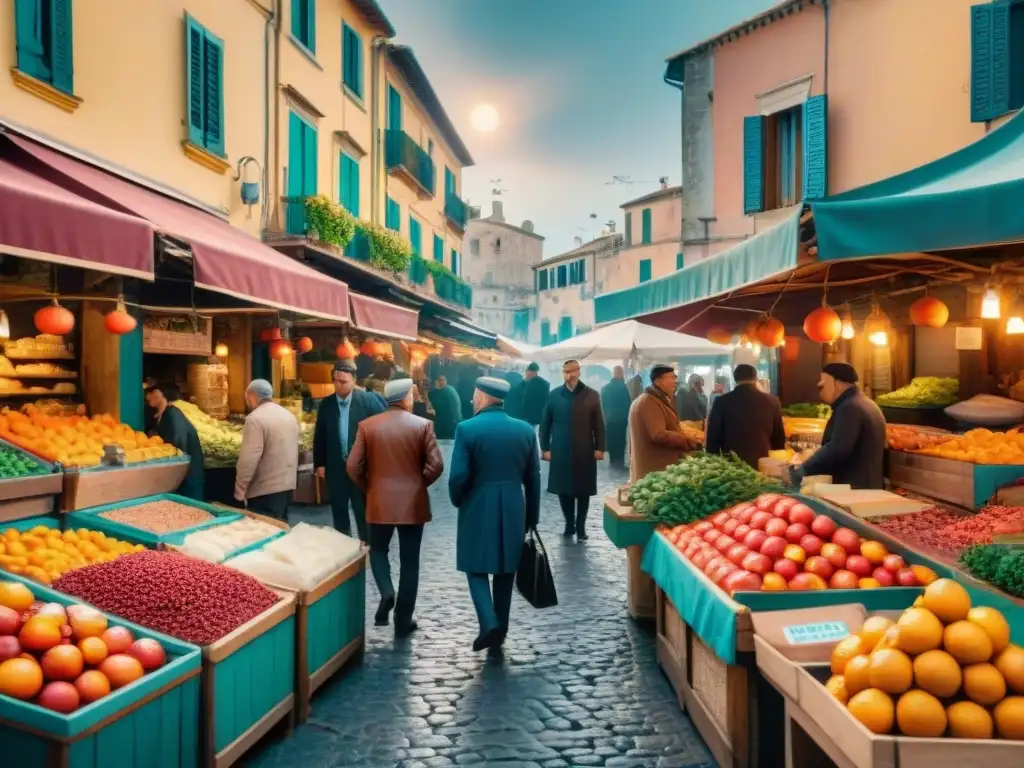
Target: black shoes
(405, 628)
(490, 639)
(381, 617)
(581, 527)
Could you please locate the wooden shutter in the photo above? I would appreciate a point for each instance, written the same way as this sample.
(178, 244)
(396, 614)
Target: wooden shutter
(213, 93)
(310, 24)
(393, 215)
(415, 237)
(679, 261)
(61, 49)
(194, 38)
(296, 218)
(629, 229)
(815, 181)
(309, 159)
(990, 61)
(583, 270)
(28, 19)
(646, 220)
(394, 109)
(455, 261)
(645, 270)
(438, 249)
(753, 173)
(449, 181)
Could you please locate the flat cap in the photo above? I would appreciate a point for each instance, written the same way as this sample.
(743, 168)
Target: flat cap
(346, 365)
(533, 367)
(396, 390)
(841, 372)
(497, 388)
(660, 369)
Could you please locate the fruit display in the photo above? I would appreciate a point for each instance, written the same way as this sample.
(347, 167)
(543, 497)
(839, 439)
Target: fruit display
(15, 463)
(951, 533)
(944, 668)
(694, 430)
(37, 347)
(807, 411)
(220, 542)
(77, 441)
(695, 487)
(300, 559)
(980, 446)
(221, 440)
(43, 554)
(902, 437)
(803, 426)
(307, 428)
(922, 392)
(158, 517)
(174, 594)
(999, 565)
(778, 543)
(63, 658)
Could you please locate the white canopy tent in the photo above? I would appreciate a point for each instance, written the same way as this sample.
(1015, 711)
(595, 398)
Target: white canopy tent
(514, 347)
(629, 340)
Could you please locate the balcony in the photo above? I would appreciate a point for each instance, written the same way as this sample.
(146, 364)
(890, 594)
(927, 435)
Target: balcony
(456, 211)
(405, 156)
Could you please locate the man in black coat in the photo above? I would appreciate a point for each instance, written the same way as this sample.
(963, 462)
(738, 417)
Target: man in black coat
(853, 446)
(572, 439)
(615, 402)
(536, 391)
(745, 421)
(175, 429)
(337, 421)
(691, 402)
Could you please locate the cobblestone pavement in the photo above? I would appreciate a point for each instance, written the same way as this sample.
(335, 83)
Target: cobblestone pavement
(578, 684)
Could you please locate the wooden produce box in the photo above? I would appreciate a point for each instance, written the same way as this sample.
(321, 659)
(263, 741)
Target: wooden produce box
(630, 531)
(106, 485)
(970, 486)
(22, 497)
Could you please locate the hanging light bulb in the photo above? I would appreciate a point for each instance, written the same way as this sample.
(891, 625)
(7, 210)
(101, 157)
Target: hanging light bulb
(221, 350)
(1014, 325)
(990, 305)
(877, 327)
(5, 326)
(848, 331)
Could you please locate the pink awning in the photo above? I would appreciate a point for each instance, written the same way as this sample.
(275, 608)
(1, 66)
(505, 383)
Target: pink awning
(225, 259)
(376, 316)
(40, 220)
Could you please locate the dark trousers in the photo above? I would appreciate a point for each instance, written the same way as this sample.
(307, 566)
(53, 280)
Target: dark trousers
(574, 510)
(616, 431)
(272, 504)
(492, 610)
(343, 492)
(409, 539)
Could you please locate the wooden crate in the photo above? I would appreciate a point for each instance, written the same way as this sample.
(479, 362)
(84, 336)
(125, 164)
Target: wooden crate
(970, 486)
(96, 487)
(22, 497)
(640, 597)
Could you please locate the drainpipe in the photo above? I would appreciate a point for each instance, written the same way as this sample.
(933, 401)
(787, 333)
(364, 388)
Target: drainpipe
(270, 23)
(275, 155)
(376, 162)
(828, 8)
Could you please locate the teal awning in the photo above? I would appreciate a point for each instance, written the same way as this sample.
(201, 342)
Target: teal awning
(973, 197)
(767, 253)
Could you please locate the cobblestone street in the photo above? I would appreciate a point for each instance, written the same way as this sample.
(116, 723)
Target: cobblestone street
(577, 685)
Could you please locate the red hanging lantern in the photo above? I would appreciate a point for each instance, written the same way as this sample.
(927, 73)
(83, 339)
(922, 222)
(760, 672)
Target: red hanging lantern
(280, 349)
(719, 335)
(55, 320)
(270, 334)
(346, 350)
(770, 332)
(384, 349)
(119, 322)
(368, 348)
(303, 344)
(929, 312)
(791, 352)
(823, 325)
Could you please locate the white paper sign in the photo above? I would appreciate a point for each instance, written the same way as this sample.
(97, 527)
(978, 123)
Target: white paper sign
(968, 339)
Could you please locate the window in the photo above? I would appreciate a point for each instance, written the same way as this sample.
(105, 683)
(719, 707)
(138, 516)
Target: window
(415, 236)
(563, 276)
(781, 158)
(646, 224)
(679, 261)
(44, 36)
(545, 333)
(438, 249)
(997, 59)
(352, 60)
(205, 85)
(645, 270)
(455, 261)
(430, 147)
(302, 160)
(542, 279)
(474, 246)
(564, 328)
(628, 229)
(394, 109)
(393, 215)
(348, 183)
(449, 182)
(304, 23)
(581, 270)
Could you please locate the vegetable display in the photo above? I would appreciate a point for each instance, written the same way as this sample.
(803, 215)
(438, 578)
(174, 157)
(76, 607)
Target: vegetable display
(807, 411)
(15, 463)
(951, 533)
(221, 440)
(172, 593)
(159, 516)
(218, 543)
(696, 487)
(43, 554)
(944, 668)
(980, 446)
(999, 565)
(923, 392)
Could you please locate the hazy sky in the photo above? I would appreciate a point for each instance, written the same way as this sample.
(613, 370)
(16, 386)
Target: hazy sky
(578, 85)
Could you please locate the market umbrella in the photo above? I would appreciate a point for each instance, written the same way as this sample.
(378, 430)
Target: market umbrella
(626, 340)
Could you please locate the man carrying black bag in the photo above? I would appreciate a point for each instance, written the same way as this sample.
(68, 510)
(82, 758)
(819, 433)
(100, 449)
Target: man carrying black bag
(495, 483)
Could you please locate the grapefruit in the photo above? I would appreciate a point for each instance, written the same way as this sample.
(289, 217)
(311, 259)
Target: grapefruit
(920, 714)
(967, 720)
(874, 710)
(994, 624)
(938, 673)
(947, 600)
(967, 642)
(983, 684)
(1010, 664)
(919, 630)
(1009, 717)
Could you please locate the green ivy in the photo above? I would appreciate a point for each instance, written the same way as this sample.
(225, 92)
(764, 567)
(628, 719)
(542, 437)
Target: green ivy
(331, 222)
(388, 249)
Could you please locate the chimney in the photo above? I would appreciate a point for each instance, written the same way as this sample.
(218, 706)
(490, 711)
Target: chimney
(611, 227)
(664, 182)
(497, 214)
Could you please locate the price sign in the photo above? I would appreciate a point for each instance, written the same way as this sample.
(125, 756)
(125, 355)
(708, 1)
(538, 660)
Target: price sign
(820, 632)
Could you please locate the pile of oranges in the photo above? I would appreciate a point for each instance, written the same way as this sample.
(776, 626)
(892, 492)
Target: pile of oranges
(980, 446)
(43, 554)
(944, 668)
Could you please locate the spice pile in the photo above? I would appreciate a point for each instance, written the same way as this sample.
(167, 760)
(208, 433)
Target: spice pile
(175, 594)
(952, 533)
(218, 543)
(159, 516)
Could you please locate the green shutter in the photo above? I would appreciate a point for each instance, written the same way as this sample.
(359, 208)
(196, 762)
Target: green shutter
(646, 218)
(679, 261)
(393, 215)
(61, 49)
(311, 25)
(583, 270)
(563, 276)
(213, 93)
(545, 332)
(304, 22)
(645, 270)
(296, 218)
(990, 61)
(415, 236)
(629, 229)
(130, 406)
(815, 181)
(449, 182)
(309, 160)
(564, 328)
(455, 261)
(438, 249)
(352, 60)
(194, 40)
(28, 20)
(753, 179)
(394, 109)
(348, 192)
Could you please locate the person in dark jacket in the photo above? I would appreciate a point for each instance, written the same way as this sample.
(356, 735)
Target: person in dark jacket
(853, 445)
(337, 423)
(615, 402)
(745, 421)
(572, 438)
(536, 390)
(175, 429)
(691, 402)
(447, 408)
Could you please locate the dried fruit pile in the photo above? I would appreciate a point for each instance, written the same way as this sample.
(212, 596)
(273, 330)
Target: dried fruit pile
(778, 543)
(952, 533)
(43, 554)
(174, 594)
(944, 668)
(159, 516)
(65, 658)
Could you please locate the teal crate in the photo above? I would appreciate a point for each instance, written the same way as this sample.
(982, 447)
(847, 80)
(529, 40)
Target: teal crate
(27, 524)
(153, 723)
(90, 518)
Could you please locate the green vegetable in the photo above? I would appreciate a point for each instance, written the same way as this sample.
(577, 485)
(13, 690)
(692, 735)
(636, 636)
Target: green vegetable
(923, 392)
(15, 463)
(807, 411)
(999, 565)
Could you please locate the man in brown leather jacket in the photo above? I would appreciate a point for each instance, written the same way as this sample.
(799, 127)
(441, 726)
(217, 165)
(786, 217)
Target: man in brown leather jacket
(394, 459)
(656, 440)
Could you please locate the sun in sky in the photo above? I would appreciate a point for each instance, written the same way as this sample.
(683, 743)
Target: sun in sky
(484, 118)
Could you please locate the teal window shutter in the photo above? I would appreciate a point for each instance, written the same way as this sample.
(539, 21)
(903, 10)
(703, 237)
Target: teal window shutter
(628, 229)
(415, 236)
(30, 33)
(393, 215)
(44, 34)
(815, 181)
(394, 109)
(455, 261)
(572, 273)
(352, 60)
(564, 328)
(645, 270)
(583, 270)
(61, 53)
(213, 93)
(646, 219)
(753, 162)
(348, 192)
(309, 160)
(542, 279)
(438, 249)
(990, 61)
(679, 261)
(302, 171)
(545, 332)
(304, 23)
(449, 182)
(563, 276)
(194, 41)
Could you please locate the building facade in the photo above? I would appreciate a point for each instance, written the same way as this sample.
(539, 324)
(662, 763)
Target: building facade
(650, 240)
(498, 262)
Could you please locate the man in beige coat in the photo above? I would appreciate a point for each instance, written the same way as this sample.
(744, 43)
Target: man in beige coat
(269, 459)
(655, 437)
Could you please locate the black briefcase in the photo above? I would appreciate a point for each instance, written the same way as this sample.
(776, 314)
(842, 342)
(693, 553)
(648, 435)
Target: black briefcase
(533, 579)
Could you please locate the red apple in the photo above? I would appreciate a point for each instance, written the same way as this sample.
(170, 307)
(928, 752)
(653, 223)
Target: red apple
(801, 513)
(10, 648)
(756, 563)
(759, 519)
(811, 544)
(747, 514)
(883, 577)
(783, 505)
(819, 566)
(730, 526)
(736, 553)
(742, 581)
(823, 526)
(795, 532)
(702, 558)
(787, 569)
(754, 540)
(10, 622)
(766, 502)
(741, 531)
(906, 578)
(703, 527)
(724, 542)
(893, 563)
(719, 519)
(860, 565)
(807, 581)
(776, 527)
(843, 580)
(714, 562)
(848, 540)
(773, 547)
(835, 554)
(711, 536)
(721, 572)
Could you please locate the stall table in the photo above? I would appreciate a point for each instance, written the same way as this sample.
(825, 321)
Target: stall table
(32, 495)
(962, 483)
(95, 486)
(630, 531)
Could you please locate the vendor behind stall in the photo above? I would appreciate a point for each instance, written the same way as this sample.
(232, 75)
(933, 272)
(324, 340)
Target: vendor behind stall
(175, 429)
(854, 440)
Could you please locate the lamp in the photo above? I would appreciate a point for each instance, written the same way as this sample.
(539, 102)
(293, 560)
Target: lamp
(5, 326)
(1014, 325)
(221, 350)
(990, 304)
(877, 327)
(848, 331)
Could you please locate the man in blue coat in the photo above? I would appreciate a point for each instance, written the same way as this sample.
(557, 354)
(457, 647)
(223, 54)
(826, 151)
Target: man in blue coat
(495, 483)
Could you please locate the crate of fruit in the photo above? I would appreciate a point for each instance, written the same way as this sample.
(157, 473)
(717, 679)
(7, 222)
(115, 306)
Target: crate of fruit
(27, 483)
(73, 704)
(154, 519)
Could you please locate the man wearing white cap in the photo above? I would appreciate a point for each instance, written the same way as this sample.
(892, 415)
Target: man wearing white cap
(269, 458)
(394, 460)
(495, 483)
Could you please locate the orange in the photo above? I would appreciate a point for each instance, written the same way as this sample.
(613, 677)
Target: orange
(983, 684)
(874, 709)
(891, 671)
(836, 685)
(938, 673)
(874, 551)
(20, 678)
(994, 624)
(890, 639)
(1009, 717)
(967, 642)
(947, 600)
(39, 633)
(868, 583)
(845, 650)
(1010, 664)
(919, 630)
(94, 650)
(873, 629)
(774, 582)
(924, 575)
(856, 674)
(16, 596)
(920, 714)
(967, 720)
